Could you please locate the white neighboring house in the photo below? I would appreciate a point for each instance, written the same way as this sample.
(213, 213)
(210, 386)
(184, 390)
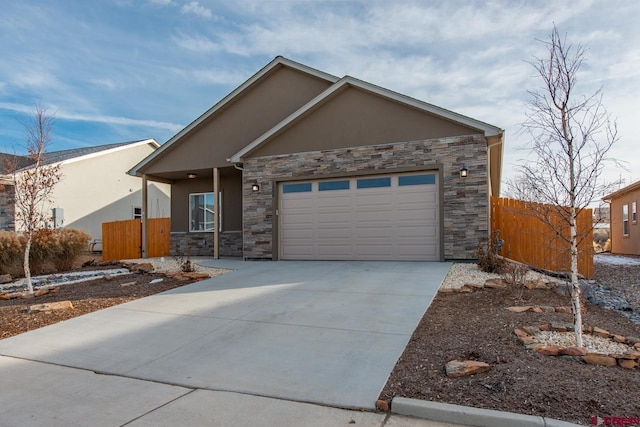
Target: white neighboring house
(96, 188)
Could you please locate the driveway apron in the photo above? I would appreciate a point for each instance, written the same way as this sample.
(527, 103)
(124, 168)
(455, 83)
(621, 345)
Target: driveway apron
(316, 331)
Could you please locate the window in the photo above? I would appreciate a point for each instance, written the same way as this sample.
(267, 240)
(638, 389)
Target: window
(201, 213)
(374, 182)
(333, 185)
(625, 220)
(634, 213)
(416, 179)
(296, 188)
(137, 213)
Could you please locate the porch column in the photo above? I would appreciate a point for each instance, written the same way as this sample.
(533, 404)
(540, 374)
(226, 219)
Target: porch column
(216, 213)
(145, 197)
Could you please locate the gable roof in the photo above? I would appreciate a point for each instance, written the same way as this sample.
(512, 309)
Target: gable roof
(278, 61)
(487, 129)
(629, 188)
(76, 154)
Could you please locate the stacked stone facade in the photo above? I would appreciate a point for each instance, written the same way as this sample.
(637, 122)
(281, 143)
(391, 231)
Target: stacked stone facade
(201, 244)
(7, 207)
(465, 201)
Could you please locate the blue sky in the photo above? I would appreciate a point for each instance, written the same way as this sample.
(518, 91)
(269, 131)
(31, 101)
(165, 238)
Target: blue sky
(113, 71)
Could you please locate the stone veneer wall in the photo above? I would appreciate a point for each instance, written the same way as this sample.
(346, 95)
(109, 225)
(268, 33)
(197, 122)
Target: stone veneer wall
(201, 244)
(465, 201)
(7, 208)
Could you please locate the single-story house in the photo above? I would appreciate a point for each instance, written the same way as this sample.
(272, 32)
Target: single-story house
(94, 187)
(296, 164)
(624, 230)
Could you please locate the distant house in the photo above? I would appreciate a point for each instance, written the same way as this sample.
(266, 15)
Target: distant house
(624, 229)
(296, 163)
(94, 188)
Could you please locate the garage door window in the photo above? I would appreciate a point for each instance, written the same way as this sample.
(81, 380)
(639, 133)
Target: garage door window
(333, 185)
(416, 179)
(374, 182)
(297, 188)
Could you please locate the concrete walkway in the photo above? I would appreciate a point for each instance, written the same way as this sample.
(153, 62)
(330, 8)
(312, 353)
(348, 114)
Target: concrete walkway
(217, 351)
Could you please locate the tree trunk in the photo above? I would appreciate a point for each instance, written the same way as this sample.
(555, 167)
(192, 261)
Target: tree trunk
(575, 286)
(27, 269)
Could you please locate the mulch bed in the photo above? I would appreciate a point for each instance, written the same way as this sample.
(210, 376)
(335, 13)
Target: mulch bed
(477, 326)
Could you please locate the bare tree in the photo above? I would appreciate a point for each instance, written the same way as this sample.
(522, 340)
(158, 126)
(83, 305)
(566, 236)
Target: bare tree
(34, 184)
(571, 137)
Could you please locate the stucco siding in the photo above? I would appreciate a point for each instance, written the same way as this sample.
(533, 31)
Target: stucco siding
(265, 104)
(620, 243)
(464, 202)
(355, 117)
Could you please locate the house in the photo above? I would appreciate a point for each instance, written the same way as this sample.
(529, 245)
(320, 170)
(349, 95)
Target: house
(94, 187)
(296, 163)
(624, 230)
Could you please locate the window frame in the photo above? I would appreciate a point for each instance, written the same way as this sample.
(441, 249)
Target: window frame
(136, 215)
(212, 210)
(625, 220)
(634, 212)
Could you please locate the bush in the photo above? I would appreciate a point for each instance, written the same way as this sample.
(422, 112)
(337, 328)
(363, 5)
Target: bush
(42, 247)
(11, 252)
(487, 254)
(66, 245)
(515, 275)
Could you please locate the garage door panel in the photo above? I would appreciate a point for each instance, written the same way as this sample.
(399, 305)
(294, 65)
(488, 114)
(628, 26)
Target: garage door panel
(365, 219)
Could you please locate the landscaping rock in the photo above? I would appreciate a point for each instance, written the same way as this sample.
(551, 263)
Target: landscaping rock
(128, 284)
(520, 332)
(619, 338)
(5, 278)
(495, 284)
(474, 285)
(531, 330)
(547, 351)
(627, 364)
(463, 368)
(563, 310)
(601, 332)
(547, 309)
(573, 351)
(41, 292)
(154, 281)
(52, 306)
(526, 340)
(558, 327)
(599, 359)
(144, 267)
(519, 309)
(382, 405)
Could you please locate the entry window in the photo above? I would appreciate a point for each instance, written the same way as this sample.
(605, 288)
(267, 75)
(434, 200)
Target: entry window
(297, 188)
(333, 185)
(625, 220)
(416, 179)
(374, 182)
(201, 214)
(634, 213)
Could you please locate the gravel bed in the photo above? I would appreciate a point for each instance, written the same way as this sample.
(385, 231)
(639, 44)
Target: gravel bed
(170, 265)
(593, 343)
(463, 273)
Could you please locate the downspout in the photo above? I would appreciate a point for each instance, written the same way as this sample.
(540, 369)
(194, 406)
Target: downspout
(490, 192)
(241, 169)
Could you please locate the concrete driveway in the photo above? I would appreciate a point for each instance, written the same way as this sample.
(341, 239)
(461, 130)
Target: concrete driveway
(319, 332)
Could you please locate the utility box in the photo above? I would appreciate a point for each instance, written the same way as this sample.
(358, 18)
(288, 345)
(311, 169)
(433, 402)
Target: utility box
(57, 215)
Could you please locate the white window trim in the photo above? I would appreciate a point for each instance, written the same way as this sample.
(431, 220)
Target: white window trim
(625, 221)
(211, 230)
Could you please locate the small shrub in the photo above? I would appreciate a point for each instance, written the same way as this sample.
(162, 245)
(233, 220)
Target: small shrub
(487, 254)
(11, 252)
(42, 245)
(66, 245)
(607, 246)
(184, 259)
(515, 276)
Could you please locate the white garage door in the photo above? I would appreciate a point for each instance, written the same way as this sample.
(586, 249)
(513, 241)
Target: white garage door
(382, 217)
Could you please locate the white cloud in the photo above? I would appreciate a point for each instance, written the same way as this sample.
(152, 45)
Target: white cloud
(198, 43)
(197, 9)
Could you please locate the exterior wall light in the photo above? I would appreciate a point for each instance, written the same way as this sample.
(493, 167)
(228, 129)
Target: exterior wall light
(192, 175)
(464, 172)
(255, 187)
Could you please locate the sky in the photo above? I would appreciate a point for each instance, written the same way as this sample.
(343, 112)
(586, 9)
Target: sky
(124, 70)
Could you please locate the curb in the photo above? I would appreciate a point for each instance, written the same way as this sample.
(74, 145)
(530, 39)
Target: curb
(466, 415)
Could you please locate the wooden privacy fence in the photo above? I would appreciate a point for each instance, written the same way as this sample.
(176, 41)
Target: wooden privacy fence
(123, 239)
(532, 241)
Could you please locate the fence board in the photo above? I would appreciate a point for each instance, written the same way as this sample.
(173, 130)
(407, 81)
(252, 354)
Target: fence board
(123, 239)
(530, 240)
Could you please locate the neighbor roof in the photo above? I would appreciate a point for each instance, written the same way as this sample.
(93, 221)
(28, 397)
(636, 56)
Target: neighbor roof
(631, 187)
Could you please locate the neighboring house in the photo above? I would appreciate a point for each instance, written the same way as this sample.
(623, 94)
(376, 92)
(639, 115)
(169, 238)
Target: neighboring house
(299, 164)
(624, 229)
(94, 188)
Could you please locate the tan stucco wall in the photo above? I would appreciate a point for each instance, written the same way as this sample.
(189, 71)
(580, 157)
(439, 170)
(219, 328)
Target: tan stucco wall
(264, 105)
(621, 244)
(353, 118)
(98, 189)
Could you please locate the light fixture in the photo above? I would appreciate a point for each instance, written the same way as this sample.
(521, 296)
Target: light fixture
(464, 171)
(192, 175)
(255, 187)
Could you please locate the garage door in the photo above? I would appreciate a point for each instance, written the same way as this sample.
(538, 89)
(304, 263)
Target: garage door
(382, 217)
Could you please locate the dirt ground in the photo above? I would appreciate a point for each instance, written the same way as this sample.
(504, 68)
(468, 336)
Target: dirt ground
(477, 326)
(473, 326)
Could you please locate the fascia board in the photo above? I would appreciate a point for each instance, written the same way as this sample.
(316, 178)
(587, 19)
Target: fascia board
(279, 60)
